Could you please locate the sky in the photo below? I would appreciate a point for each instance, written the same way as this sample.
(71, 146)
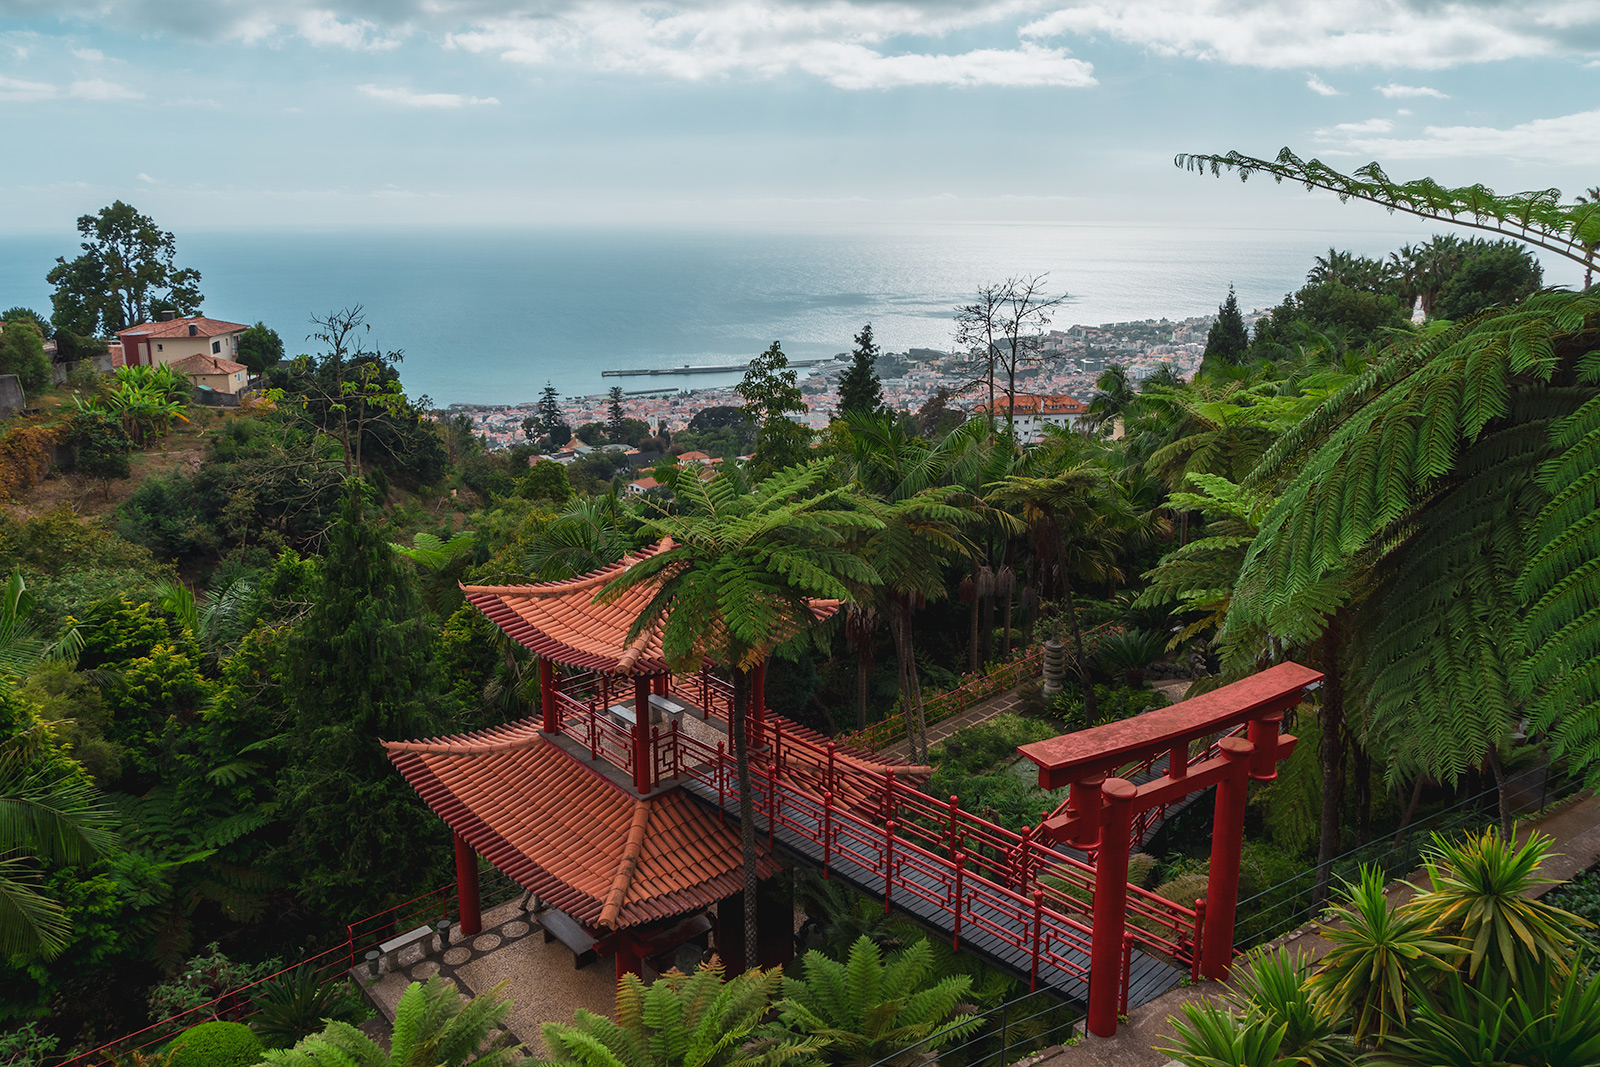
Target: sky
(234, 115)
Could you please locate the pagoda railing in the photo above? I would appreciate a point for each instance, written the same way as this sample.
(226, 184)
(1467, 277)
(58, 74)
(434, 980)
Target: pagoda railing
(587, 722)
(986, 879)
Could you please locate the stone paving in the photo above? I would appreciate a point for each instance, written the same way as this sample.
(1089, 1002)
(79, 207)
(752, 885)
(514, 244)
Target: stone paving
(540, 978)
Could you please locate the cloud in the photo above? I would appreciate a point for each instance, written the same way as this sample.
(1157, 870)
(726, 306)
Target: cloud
(99, 89)
(841, 43)
(1357, 128)
(1567, 139)
(1393, 91)
(1418, 34)
(16, 90)
(89, 55)
(142, 176)
(1320, 87)
(323, 28)
(407, 98)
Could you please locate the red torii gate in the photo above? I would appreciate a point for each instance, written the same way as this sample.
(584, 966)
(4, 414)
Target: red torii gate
(1099, 813)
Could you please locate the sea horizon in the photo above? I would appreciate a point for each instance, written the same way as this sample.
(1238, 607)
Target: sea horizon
(488, 316)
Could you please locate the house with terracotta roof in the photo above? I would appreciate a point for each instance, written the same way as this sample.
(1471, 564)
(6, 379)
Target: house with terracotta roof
(214, 372)
(153, 344)
(1035, 411)
(643, 485)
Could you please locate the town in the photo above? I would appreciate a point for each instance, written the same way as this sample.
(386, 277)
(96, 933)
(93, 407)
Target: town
(1069, 362)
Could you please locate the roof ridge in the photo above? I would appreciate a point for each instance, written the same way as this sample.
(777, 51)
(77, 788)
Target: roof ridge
(631, 851)
(573, 585)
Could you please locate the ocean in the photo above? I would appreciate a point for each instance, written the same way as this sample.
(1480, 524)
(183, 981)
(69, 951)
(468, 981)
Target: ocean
(489, 316)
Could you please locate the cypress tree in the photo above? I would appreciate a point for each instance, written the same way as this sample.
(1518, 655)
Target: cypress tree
(1228, 341)
(362, 671)
(859, 388)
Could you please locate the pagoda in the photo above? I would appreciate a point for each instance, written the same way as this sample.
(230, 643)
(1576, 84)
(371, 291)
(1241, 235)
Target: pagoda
(585, 805)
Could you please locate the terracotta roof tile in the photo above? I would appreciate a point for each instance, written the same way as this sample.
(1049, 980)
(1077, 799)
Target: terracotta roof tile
(563, 622)
(609, 859)
(204, 327)
(200, 363)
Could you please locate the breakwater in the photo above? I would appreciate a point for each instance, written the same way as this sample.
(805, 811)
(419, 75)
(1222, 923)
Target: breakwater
(726, 368)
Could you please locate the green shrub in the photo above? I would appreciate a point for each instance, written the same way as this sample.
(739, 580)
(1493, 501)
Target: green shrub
(297, 1004)
(1184, 889)
(1141, 865)
(986, 746)
(215, 1044)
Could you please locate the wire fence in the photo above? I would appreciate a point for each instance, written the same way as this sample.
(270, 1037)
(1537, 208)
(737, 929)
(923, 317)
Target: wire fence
(1280, 908)
(1008, 1032)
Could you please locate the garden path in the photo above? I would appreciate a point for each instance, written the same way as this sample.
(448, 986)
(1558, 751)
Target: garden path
(1575, 826)
(999, 704)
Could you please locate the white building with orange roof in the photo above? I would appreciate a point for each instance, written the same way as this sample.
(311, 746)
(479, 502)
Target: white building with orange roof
(1035, 411)
(153, 344)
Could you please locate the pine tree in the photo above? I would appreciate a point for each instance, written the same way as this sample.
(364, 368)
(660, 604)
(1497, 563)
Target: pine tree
(549, 409)
(1228, 341)
(615, 416)
(859, 388)
(363, 671)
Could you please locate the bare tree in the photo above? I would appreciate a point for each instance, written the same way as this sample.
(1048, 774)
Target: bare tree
(350, 388)
(1002, 330)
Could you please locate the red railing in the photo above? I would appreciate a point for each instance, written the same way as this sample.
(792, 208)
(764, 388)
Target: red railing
(589, 724)
(238, 1005)
(985, 878)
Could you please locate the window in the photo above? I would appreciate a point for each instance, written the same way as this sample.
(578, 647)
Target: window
(158, 347)
(216, 346)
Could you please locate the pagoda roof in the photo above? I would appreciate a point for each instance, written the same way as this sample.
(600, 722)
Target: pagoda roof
(581, 843)
(565, 623)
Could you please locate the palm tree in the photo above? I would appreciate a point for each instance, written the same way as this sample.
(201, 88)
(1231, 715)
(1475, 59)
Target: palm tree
(921, 529)
(585, 537)
(735, 582)
(434, 1026)
(681, 1020)
(870, 1011)
(1075, 517)
(1114, 394)
(47, 814)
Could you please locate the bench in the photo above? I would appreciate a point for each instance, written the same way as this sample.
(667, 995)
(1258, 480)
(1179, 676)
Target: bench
(389, 951)
(559, 926)
(673, 710)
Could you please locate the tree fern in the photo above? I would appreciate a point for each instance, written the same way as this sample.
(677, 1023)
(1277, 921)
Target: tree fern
(1407, 495)
(867, 1010)
(679, 1020)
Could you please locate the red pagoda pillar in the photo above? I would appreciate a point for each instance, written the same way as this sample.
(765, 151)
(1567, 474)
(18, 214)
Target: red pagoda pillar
(1110, 908)
(642, 754)
(1227, 846)
(467, 888)
(547, 696)
(756, 728)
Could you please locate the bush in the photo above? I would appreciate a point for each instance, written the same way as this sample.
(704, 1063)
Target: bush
(215, 1044)
(983, 747)
(22, 354)
(101, 445)
(1184, 889)
(295, 1005)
